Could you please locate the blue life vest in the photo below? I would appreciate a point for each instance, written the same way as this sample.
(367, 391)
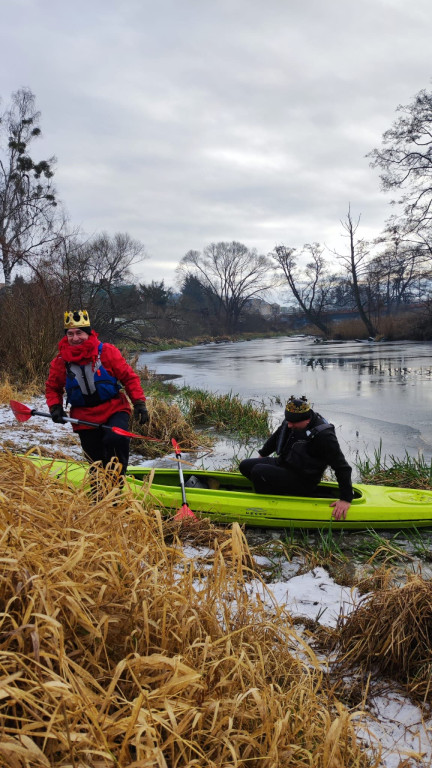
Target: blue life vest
(90, 385)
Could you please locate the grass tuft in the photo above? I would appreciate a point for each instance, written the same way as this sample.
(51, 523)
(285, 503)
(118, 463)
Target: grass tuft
(391, 632)
(408, 472)
(166, 422)
(226, 413)
(9, 392)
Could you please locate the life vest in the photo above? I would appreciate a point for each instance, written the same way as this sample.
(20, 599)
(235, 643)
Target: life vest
(295, 453)
(91, 384)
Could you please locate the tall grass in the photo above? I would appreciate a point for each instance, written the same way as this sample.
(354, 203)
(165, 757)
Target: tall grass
(117, 650)
(408, 472)
(226, 413)
(9, 391)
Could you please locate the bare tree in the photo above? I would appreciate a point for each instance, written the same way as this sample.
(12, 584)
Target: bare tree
(311, 285)
(356, 263)
(401, 270)
(95, 275)
(27, 197)
(232, 274)
(405, 160)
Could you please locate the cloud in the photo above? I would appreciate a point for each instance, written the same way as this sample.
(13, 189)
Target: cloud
(186, 122)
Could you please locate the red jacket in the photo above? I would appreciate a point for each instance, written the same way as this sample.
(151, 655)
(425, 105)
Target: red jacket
(116, 365)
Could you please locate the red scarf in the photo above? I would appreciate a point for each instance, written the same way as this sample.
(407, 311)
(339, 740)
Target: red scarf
(82, 354)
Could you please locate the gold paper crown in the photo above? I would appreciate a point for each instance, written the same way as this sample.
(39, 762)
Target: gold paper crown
(79, 318)
(298, 404)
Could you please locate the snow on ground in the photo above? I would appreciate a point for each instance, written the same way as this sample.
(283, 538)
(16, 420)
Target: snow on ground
(37, 432)
(313, 595)
(401, 730)
(395, 723)
(41, 432)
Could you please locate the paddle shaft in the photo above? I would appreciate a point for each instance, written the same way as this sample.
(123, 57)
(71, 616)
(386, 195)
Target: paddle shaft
(182, 485)
(24, 413)
(34, 412)
(178, 455)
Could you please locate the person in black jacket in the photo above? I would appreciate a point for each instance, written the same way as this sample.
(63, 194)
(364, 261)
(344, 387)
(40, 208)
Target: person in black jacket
(305, 445)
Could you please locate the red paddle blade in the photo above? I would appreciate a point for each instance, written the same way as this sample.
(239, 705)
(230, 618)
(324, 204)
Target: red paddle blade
(20, 411)
(176, 446)
(184, 512)
(125, 433)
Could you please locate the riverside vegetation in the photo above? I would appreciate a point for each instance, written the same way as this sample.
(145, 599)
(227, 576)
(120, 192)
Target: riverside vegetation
(118, 650)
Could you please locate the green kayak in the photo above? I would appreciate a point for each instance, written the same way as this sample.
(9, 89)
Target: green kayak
(227, 497)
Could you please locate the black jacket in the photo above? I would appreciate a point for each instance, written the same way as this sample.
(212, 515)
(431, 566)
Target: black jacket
(309, 452)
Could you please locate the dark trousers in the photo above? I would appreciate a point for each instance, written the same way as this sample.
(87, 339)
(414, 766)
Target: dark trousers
(268, 477)
(103, 445)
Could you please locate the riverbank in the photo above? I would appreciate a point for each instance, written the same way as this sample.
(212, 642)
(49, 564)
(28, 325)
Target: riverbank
(155, 344)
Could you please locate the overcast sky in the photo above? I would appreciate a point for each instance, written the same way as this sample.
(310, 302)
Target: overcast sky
(186, 122)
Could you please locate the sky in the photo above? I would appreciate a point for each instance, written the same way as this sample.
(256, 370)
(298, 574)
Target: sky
(187, 122)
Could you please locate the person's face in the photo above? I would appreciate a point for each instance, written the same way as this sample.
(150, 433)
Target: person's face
(298, 424)
(76, 336)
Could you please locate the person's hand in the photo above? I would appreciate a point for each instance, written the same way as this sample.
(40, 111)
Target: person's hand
(340, 509)
(140, 412)
(57, 413)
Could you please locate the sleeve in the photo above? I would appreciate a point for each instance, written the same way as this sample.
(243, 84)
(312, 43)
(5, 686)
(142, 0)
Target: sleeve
(55, 383)
(114, 361)
(328, 445)
(270, 445)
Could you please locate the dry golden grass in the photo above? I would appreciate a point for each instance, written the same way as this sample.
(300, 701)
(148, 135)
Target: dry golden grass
(9, 392)
(378, 578)
(391, 632)
(115, 651)
(166, 422)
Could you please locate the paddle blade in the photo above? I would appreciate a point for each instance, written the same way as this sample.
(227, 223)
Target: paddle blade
(184, 512)
(176, 446)
(20, 411)
(125, 433)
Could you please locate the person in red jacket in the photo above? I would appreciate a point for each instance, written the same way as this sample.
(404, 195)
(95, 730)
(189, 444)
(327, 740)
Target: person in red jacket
(92, 375)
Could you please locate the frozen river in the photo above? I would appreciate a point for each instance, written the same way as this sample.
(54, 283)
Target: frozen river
(371, 392)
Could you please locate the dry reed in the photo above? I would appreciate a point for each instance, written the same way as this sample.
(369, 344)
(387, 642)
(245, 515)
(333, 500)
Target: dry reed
(116, 651)
(391, 632)
(166, 422)
(9, 392)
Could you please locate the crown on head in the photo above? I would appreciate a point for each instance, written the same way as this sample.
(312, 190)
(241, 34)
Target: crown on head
(79, 318)
(298, 404)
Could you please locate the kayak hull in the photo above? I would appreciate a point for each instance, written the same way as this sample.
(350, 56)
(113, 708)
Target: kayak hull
(231, 499)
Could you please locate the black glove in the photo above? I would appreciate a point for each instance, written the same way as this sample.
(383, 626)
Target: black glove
(141, 412)
(57, 413)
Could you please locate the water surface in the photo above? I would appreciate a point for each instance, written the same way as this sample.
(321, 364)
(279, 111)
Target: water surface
(374, 393)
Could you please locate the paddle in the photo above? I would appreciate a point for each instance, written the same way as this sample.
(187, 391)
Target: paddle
(24, 413)
(184, 510)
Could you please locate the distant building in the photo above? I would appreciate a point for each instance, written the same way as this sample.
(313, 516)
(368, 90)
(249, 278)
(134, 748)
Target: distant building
(263, 308)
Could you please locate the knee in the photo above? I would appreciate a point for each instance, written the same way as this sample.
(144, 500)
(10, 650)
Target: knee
(246, 466)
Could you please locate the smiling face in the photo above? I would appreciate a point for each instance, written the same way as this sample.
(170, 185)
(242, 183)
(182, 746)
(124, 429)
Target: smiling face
(76, 336)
